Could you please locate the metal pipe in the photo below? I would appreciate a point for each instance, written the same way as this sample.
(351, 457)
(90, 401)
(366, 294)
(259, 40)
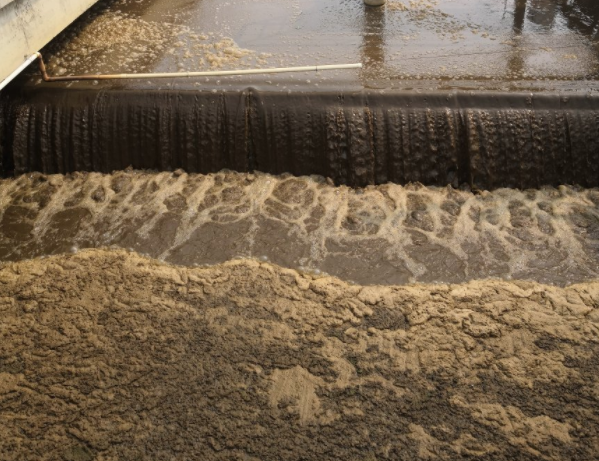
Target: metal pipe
(220, 73)
(19, 69)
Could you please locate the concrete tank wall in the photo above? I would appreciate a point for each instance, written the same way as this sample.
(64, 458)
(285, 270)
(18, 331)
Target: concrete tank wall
(28, 25)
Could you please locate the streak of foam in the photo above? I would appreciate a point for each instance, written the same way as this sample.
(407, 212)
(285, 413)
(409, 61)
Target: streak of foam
(434, 234)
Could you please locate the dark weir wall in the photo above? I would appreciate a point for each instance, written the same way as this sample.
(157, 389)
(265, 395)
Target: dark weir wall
(485, 140)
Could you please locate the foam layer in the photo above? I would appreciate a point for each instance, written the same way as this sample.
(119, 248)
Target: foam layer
(106, 355)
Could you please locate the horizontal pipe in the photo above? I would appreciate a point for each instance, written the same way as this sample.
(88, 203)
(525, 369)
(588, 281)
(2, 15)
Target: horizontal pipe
(220, 73)
(19, 69)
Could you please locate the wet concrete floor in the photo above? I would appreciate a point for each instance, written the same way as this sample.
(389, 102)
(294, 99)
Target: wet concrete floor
(379, 235)
(511, 45)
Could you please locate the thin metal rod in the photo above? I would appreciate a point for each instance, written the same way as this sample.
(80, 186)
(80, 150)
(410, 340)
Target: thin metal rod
(220, 73)
(20, 69)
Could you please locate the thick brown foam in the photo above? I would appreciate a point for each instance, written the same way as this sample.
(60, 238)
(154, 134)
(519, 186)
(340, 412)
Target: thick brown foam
(107, 355)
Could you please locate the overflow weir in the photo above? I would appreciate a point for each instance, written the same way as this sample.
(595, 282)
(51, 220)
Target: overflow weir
(484, 140)
(450, 94)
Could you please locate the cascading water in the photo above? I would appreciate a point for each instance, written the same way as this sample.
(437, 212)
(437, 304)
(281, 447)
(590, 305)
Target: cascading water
(484, 141)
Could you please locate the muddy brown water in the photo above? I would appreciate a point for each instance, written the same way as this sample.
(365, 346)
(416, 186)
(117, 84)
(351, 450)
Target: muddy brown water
(386, 234)
(511, 45)
(109, 354)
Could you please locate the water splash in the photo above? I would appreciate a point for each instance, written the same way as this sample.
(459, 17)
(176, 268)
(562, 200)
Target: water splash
(378, 235)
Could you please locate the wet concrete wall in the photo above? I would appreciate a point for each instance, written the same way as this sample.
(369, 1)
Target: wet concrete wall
(28, 25)
(485, 140)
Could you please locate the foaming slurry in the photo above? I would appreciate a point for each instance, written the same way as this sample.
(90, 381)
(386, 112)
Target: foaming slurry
(246, 361)
(385, 234)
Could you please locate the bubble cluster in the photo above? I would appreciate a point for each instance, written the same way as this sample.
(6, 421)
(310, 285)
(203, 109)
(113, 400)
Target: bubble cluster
(115, 41)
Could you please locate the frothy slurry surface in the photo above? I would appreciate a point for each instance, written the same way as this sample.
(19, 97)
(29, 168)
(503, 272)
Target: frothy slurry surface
(106, 355)
(386, 234)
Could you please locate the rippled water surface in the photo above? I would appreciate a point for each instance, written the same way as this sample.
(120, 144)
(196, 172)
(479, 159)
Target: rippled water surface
(409, 44)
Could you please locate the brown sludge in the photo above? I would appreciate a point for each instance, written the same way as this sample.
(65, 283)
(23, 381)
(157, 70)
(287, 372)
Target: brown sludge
(106, 355)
